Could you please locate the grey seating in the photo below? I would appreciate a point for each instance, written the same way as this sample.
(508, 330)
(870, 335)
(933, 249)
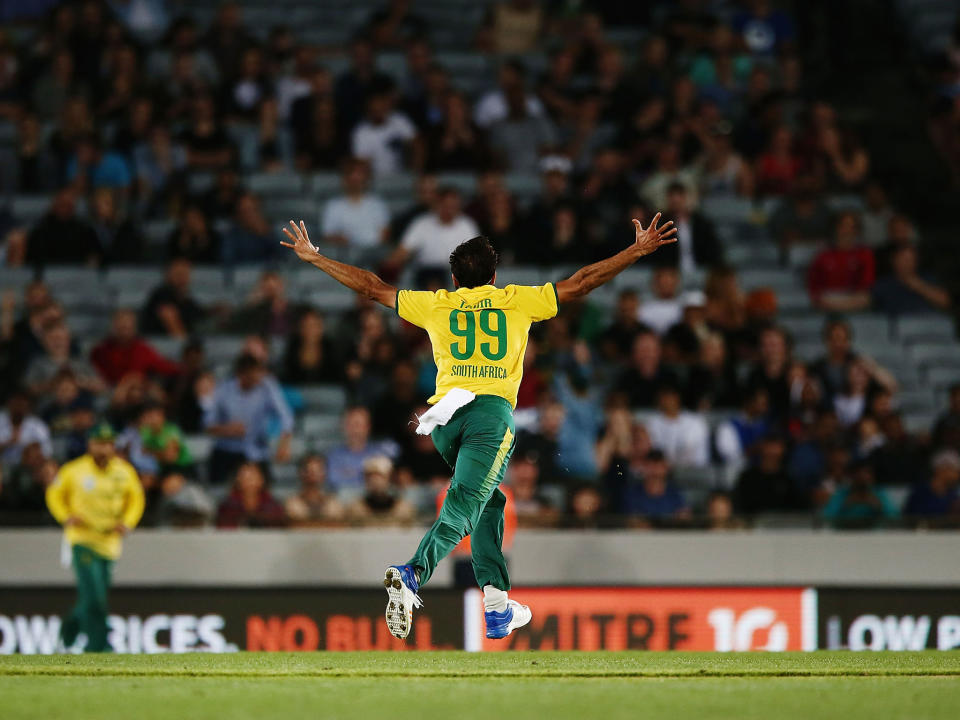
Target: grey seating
(199, 446)
(169, 347)
(921, 328)
(523, 185)
(324, 398)
(870, 325)
(15, 278)
(466, 183)
(29, 208)
(939, 353)
(331, 300)
(943, 377)
(520, 275)
(321, 425)
(325, 184)
(70, 277)
(727, 209)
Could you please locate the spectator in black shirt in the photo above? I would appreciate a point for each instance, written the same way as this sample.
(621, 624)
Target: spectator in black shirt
(318, 141)
(170, 310)
(455, 143)
(61, 238)
(616, 342)
(697, 244)
(645, 375)
(771, 369)
(310, 356)
(120, 243)
(554, 193)
(904, 291)
(227, 39)
(766, 487)
(393, 411)
(208, 146)
(193, 238)
(542, 446)
(354, 86)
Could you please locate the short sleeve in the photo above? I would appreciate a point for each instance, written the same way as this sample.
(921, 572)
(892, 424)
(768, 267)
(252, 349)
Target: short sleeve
(539, 302)
(414, 306)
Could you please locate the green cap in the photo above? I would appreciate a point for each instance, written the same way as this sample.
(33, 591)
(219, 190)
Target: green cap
(102, 431)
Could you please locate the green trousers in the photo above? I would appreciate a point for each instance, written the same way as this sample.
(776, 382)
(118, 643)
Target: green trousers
(476, 443)
(89, 615)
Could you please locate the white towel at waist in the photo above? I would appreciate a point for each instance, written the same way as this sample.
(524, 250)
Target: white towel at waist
(441, 413)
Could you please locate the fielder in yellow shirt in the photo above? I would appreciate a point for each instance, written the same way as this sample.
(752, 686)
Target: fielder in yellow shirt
(98, 499)
(479, 334)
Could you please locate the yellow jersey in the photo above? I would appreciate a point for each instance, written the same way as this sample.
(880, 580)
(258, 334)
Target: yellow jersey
(101, 498)
(479, 335)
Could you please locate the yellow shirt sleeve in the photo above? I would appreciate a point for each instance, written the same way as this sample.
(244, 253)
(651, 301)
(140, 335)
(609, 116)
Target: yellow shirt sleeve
(414, 306)
(538, 302)
(135, 499)
(57, 496)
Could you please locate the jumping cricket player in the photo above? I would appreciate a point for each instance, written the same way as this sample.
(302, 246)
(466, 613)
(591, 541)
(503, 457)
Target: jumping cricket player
(98, 499)
(478, 333)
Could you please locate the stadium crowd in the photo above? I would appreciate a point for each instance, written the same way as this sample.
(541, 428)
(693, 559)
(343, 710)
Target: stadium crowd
(677, 400)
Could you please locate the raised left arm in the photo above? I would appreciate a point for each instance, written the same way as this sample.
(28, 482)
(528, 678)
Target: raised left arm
(357, 279)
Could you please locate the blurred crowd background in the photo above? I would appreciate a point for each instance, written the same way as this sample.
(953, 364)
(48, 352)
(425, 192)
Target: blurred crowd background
(791, 362)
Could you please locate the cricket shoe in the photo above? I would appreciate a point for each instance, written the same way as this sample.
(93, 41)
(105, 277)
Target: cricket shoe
(501, 624)
(401, 584)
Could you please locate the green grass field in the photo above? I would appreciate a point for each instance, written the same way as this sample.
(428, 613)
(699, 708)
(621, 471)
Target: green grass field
(457, 685)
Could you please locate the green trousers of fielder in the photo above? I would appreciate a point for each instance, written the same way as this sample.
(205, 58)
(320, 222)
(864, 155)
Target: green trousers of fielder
(476, 443)
(89, 615)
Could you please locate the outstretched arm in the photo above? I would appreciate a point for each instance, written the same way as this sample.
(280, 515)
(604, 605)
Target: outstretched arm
(357, 279)
(593, 276)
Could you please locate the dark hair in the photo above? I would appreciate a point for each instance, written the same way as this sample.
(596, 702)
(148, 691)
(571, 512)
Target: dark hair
(247, 362)
(474, 262)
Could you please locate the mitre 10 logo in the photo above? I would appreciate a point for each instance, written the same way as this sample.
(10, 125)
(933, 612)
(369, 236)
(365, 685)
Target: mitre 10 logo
(722, 619)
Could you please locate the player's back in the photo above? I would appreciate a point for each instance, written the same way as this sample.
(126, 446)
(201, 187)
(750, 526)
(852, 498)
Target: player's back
(479, 335)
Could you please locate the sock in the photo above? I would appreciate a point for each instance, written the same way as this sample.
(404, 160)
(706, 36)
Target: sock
(494, 600)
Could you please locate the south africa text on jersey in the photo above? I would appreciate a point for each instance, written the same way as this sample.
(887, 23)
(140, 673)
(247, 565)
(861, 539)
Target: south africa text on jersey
(478, 371)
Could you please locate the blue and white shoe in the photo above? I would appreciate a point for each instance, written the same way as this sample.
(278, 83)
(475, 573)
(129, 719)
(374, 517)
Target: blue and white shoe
(401, 584)
(501, 624)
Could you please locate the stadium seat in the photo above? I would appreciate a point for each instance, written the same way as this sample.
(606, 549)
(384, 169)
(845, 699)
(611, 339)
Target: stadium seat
(325, 184)
(800, 256)
(15, 278)
(940, 377)
(466, 183)
(199, 447)
(869, 325)
(29, 208)
(323, 398)
(928, 354)
(520, 275)
(169, 347)
(66, 277)
(921, 328)
(321, 425)
(727, 209)
(281, 184)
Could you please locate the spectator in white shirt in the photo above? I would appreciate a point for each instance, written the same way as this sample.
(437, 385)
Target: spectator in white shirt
(682, 436)
(18, 429)
(385, 137)
(493, 106)
(358, 217)
(431, 238)
(665, 309)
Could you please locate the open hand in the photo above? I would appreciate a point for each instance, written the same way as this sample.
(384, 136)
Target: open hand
(301, 244)
(653, 237)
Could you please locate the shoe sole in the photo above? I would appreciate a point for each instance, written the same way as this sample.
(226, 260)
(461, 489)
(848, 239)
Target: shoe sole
(399, 614)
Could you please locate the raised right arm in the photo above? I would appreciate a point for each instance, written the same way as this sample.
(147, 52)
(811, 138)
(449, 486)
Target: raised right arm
(593, 276)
